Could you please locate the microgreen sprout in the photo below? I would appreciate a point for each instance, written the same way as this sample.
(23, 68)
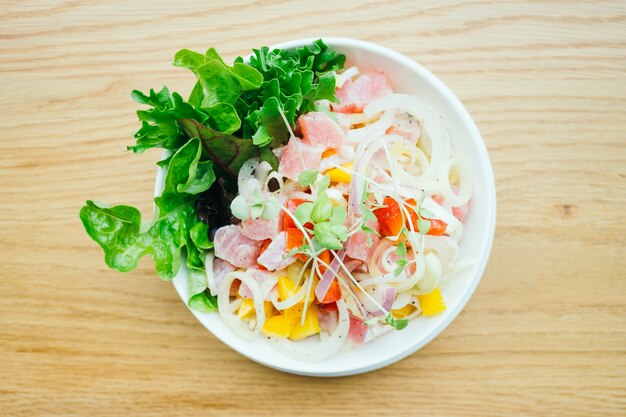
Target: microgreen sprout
(256, 206)
(307, 177)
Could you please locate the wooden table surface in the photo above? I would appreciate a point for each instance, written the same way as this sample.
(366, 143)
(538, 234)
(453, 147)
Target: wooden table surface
(544, 334)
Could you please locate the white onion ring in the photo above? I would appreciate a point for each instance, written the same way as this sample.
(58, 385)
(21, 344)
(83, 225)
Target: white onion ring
(445, 247)
(402, 300)
(465, 192)
(291, 301)
(223, 304)
(348, 74)
(323, 348)
(374, 130)
(440, 143)
(208, 268)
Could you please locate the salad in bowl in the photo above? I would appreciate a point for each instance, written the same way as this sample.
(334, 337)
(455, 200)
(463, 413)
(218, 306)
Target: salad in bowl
(306, 203)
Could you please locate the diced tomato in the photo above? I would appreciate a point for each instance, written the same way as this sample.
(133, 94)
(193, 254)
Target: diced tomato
(291, 206)
(333, 294)
(437, 227)
(295, 239)
(324, 257)
(329, 307)
(412, 213)
(389, 217)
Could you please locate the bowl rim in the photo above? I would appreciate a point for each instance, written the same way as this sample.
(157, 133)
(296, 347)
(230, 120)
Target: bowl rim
(476, 137)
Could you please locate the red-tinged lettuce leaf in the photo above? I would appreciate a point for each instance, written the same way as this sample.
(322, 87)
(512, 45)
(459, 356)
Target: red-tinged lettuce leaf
(226, 151)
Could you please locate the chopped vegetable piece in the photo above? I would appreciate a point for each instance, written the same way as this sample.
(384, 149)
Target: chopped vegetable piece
(340, 175)
(277, 326)
(432, 304)
(389, 217)
(333, 294)
(401, 313)
(246, 310)
(310, 327)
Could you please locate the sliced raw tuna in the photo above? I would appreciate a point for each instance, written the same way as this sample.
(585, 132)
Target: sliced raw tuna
(357, 247)
(220, 269)
(275, 256)
(328, 317)
(319, 129)
(260, 229)
(233, 246)
(357, 331)
(297, 152)
(355, 95)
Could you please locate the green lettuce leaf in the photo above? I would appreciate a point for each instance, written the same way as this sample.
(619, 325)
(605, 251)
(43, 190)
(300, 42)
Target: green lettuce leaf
(203, 302)
(186, 174)
(159, 125)
(119, 233)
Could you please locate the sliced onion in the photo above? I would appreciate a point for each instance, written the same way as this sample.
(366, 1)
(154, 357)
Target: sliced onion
(445, 247)
(327, 279)
(323, 348)
(381, 248)
(386, 295)
(208, 268)
(291, 301)
(348, 74)
(383, 279)
(465, 191)
(440, 143)
(415, 277)
(223, 304)
(374, 130)
(432, 276)
(402, 300)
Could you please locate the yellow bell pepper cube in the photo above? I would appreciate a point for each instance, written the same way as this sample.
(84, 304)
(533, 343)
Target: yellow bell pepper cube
(310, 327)
(432, 304)
(269, 309)
(277, 326)
(293, 314)
(401, 313)
(246, 310)
(286, 288)
(340, 175)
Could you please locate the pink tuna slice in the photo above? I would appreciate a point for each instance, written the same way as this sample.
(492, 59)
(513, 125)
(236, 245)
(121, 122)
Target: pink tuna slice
(411, 135)
(354, 96)
(357, 331)
(357, 247)
(260, 229)
(297, 152)
(220, 269)
(328, 319)
(275, 256)
(319, 129)
(231, 245)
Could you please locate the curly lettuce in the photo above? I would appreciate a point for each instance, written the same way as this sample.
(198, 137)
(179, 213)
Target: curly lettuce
(234, 113)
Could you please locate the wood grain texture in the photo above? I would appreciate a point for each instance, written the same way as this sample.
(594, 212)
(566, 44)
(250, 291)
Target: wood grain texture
(545, 333)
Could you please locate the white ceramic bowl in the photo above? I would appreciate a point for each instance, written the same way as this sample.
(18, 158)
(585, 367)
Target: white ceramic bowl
(406, 76)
